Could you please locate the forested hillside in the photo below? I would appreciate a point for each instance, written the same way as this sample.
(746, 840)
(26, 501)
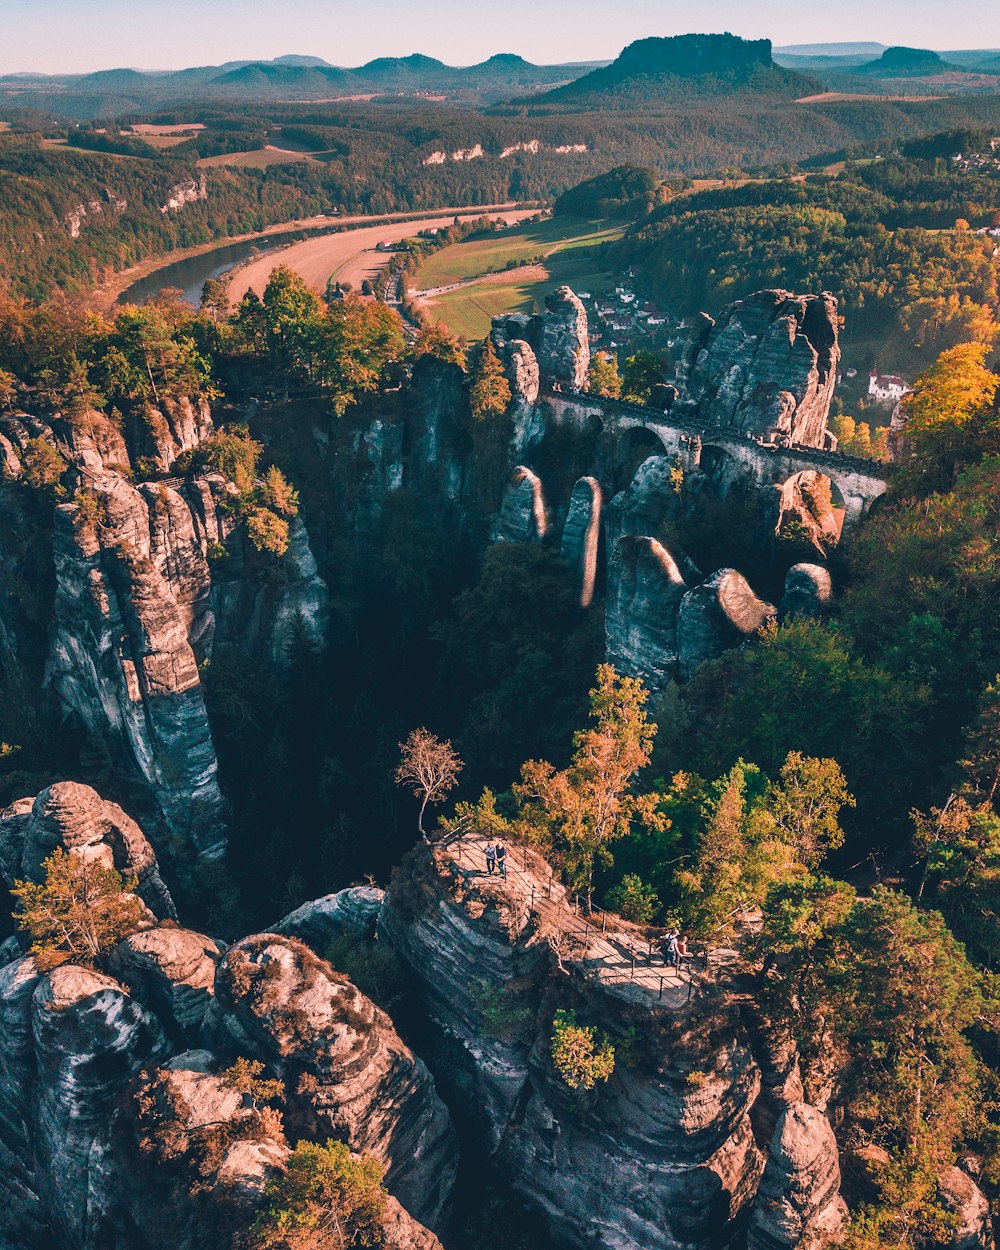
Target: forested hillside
(893, 239)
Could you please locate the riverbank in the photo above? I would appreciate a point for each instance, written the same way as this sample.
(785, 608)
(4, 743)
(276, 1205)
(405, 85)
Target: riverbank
(109, 292)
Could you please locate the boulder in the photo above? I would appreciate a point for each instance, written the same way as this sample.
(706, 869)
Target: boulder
(720, 613)
(966, 1202)
(808, 591)
(172, 973)
(75, 817)
(352, 912)
(798, 1204)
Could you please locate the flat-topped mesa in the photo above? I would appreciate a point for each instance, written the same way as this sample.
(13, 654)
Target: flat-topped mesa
(766, 367)
(493, 960)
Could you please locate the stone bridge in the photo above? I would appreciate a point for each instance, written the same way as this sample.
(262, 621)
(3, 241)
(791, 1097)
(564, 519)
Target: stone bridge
(726, 453)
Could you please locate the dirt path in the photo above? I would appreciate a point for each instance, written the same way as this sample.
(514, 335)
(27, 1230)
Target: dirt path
(350, 256)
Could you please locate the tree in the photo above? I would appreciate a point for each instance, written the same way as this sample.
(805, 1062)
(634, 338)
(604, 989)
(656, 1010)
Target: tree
(633, 900)
(215, 301)
(290, 317)
(887, 992)
(357, 341)
(81, 911)
(489, 394)
(948, 414)
(641, 374)
(603, 377)
(437, 340)
(41, 465)
(579, 1056)
(324, 1198)
(267, 530)
(8, 389)
(428, 767)
(245, 1076)
(578, 811)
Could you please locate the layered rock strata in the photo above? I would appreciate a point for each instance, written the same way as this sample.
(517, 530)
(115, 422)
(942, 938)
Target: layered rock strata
(767, 366)
(663, 1156)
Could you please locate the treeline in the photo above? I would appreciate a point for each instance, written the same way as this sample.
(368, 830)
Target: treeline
(892, 240)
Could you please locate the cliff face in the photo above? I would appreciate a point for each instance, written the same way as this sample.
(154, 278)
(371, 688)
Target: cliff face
(661, 1157)
(148, 579)
(119, 1129)
(768, 366)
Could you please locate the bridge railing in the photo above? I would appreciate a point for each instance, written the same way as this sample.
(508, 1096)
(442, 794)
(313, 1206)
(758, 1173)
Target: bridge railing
(709, 432)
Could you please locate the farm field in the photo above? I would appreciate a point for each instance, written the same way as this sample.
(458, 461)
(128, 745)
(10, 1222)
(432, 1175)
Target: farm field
(474, 258)
(570, 256)
(348, 256)
(258, 159)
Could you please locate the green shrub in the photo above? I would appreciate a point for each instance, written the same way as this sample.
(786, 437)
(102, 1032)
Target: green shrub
(579, 1056)
(633, 900)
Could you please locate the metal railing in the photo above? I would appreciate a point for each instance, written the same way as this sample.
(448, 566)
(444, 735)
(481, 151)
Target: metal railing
(594, 935)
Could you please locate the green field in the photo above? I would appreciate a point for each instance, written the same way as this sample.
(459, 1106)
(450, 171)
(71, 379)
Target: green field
(571, 257)
(475, 257)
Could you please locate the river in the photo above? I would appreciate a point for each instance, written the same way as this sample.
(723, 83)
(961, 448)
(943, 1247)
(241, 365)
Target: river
(191, 274)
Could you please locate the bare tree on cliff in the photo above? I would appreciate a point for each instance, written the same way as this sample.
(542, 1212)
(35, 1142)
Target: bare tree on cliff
(428, 767)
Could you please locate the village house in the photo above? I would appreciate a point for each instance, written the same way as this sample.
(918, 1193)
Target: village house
(886, 388)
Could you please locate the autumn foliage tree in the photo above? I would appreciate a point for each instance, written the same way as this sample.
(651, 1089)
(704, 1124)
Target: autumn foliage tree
(489, 394)
(578, 811)
(324, 1199)
(428, 767)
(81, 910)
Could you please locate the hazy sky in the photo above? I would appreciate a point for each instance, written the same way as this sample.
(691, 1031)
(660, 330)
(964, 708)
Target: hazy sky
(61, 36)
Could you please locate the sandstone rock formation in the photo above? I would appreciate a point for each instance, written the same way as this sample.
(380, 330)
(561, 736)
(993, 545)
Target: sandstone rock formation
(352, 912)
(140, 601)
(645, 589)
(963, 1199)
(659, 1158)
(120, 1130)
(798, 1204)
(522, 516)
(364, 1085)
(767, 366)
(808, 591)
(581, 535)
(76, 818)
(120, 659)
(564, 350)
(720, 613)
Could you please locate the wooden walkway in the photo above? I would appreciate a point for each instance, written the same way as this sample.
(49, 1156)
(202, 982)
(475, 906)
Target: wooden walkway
(599, 945)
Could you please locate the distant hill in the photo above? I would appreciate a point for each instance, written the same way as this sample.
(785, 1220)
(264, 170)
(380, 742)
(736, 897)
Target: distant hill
(866, 50)
(907, 63)
(685, 66)
(310, 62)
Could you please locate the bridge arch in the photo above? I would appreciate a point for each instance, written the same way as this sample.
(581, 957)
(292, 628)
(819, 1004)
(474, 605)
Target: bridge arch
(721, 469)
(634, 445)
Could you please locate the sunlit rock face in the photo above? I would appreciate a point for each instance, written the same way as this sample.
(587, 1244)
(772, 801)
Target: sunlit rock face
(798, 1204)
(121, 1128)
(767, 366)
(660, 1158)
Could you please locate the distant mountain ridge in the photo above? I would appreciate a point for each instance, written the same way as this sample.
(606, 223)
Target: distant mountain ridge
(687, 65)
(290, 76)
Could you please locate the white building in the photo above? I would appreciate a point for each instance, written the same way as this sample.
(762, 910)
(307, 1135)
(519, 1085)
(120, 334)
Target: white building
(886, 388)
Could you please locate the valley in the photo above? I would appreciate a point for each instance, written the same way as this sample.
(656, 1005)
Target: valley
(500, 643)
